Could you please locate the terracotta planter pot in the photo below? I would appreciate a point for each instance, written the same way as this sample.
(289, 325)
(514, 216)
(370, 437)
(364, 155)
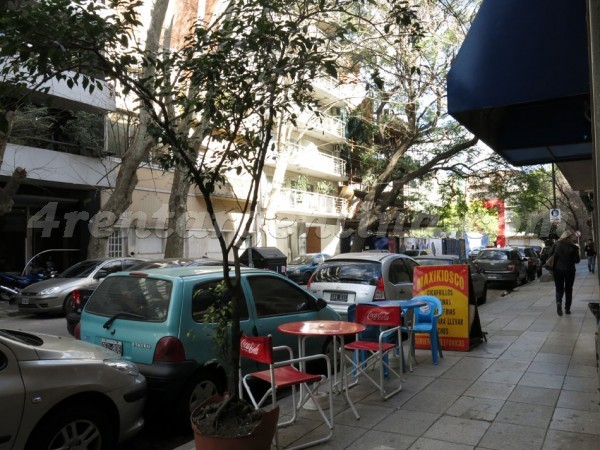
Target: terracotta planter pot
(260, 439)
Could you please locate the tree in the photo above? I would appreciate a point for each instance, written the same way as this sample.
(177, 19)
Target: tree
(35, 51)
(531, 193)
(403, 124)
(230, 81)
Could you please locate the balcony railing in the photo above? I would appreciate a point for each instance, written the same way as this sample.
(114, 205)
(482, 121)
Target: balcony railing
(324, 122)
(320, 161)
(311, 203)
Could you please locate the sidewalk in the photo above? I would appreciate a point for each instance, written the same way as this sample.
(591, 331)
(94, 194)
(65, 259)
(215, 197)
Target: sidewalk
(533, 385)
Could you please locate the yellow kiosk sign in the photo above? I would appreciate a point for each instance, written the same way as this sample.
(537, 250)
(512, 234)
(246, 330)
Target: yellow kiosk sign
(451, 285)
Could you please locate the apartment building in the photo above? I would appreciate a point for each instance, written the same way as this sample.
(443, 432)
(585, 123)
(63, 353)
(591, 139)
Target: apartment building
(299, 212)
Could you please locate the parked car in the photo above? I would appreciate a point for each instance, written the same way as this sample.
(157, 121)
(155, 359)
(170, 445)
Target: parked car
(54, 295)
(534, 262)
(177, 262)
(301, 267)
(478, 278)
(157, 319)
(504, 265)
(62, 393)
(415, 252)
(363, 277)
(474, 252)
(79, 297)
(545, 253)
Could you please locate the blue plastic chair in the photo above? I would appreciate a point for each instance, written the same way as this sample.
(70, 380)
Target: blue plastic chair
(425, 321)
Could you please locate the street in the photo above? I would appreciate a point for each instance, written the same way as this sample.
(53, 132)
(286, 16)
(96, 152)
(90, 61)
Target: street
(154, 436)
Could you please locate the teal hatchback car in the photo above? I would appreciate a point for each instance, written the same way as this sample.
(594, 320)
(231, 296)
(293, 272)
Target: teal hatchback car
(156, 319)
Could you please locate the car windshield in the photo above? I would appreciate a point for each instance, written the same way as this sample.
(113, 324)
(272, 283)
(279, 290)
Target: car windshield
(80, 270)
(301, 259)
(434, 262)
(493, 254)
(133, 298)
(362, 272)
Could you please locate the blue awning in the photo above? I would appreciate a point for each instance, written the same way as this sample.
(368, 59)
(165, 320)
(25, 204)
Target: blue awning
(521, 82)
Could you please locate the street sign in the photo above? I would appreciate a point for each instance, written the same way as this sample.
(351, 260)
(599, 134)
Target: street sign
(555, 215)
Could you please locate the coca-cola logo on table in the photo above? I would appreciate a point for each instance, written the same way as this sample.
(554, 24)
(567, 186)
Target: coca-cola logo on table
(250, 347)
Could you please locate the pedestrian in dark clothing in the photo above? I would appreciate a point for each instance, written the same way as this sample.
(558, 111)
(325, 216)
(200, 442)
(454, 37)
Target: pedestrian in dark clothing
(590, 253)
(566, 255)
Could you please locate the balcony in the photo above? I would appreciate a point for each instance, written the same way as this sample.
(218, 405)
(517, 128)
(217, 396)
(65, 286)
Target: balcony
(329, 88)
(297, 202)
(311, 161)
(323, 126)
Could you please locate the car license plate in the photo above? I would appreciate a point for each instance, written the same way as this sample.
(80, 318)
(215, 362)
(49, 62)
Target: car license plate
(492, 276)
(115, 346)
(24, 301)
(338, 297)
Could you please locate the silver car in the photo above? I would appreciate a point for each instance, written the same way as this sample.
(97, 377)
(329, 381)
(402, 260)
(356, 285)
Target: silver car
(363, 277)
(54, 294)
(63, 393)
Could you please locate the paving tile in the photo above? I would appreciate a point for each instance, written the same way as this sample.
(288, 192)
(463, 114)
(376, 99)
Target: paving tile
(581, 384)
(552, 358)
(535, 395)
(445, 386)
(468, 368)
(508, 436)
(431, 402)
(457, 430)
(542, 380)
(525, 355)
(578, 400)
(564, 440)
(499, 391)
(380, 440)
(495, 375)
(520, 413)
(576, 421)
(432, 444)
(477, 408)
(551, 368)
(413, 423)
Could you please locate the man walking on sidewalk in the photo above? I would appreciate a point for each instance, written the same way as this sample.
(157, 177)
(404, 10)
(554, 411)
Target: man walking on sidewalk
(566, 255)
(590, 252)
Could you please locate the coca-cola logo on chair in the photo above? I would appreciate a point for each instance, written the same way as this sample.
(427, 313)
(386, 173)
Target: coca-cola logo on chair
(250, 347)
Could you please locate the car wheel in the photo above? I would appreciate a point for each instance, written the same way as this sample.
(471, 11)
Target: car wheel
(74, 426)
(68, 304)
(306, 277)
(203, 385)
(320, 366)
(483, 298)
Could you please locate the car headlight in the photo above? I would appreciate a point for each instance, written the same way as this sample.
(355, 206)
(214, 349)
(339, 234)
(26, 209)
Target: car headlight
(123, 366)
(49, 291)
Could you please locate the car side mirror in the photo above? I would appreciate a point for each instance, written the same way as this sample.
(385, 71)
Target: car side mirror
(321, 304)
(525, 258)
(101, 274)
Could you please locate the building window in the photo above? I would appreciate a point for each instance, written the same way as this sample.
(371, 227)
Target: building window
(116, 244)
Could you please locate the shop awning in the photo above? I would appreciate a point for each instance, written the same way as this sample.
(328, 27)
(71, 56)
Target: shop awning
(520, 81)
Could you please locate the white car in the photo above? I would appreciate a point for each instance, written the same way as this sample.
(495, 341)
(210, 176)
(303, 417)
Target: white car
(62, 393)
(363, 277)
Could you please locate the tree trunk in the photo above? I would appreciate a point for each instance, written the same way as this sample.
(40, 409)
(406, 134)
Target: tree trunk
(12, 186)
(176, 223)
(121, 196)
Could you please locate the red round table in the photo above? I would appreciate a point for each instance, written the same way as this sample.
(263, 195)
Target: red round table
(337, 329)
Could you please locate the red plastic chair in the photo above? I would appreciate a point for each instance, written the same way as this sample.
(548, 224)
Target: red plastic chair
(389, 321)
(284, 374)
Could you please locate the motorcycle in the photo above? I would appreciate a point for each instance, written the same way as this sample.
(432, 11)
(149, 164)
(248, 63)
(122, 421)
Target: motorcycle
(11, 285)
